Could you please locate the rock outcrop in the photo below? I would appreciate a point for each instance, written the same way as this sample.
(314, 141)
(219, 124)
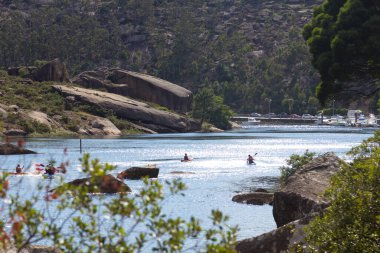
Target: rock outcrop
(54, 70)
(254, 198)
(276, 241)
(153, 89)
(300, 200)
(105, 184)
(302, 193)
(135, 111)
(138, 86)
(15, 132)
(136, 173)
(10, 149)
(99, 126)
(39, 117)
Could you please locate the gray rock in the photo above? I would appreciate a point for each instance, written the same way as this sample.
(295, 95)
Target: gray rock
(303, 191)
(254, 198)
(54, 70)
(136, 173)
(15, 132)
(125, 108)
(3, 113)
(153, 89)
(105, 184)
(10, 149)
(14, 108)
(276, 241)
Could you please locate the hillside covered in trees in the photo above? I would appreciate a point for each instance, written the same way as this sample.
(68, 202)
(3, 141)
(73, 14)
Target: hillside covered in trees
(250, 52)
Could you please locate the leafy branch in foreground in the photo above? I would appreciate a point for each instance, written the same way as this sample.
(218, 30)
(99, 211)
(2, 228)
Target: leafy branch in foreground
(74, 220)
(295, 162)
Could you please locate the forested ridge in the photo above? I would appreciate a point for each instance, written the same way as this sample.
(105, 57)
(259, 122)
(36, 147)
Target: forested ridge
(249, 52)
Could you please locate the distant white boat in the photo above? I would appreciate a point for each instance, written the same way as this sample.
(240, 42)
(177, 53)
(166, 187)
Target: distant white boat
(250, 122)
(357, 118)
(337, 120)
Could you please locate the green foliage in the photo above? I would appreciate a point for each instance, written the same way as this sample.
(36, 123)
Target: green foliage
(344, 40)
(187, 46)
(208, 107)
(352, 222)
(295, 162)
(74, 220)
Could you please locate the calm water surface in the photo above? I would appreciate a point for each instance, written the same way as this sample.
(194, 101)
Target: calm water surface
(219, 164)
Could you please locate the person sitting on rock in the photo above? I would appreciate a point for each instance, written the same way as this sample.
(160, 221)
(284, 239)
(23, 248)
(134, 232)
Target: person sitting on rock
(18, 169)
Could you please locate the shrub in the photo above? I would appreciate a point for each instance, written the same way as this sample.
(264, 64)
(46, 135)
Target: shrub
(295, 163)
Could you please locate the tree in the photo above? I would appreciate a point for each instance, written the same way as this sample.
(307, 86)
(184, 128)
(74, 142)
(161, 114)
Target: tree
(75, 221)
(344, 39)
(288, 102)
(208, 107)
(352, 222)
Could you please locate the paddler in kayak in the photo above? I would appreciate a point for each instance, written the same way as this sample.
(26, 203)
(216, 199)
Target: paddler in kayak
(50, 170)
(186, 158)
(18, 169)
(250, 160)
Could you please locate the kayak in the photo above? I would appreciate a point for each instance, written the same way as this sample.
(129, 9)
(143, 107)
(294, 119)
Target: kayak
(185, 160)
(251, 163)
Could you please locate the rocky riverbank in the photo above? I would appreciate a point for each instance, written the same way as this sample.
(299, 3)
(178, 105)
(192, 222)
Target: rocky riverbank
(109, 102)
(298, 200)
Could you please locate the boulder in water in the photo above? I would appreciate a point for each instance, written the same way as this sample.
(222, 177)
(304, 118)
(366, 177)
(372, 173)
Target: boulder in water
(136, 173)
(104, 184)
(10, 149)
(254, 198)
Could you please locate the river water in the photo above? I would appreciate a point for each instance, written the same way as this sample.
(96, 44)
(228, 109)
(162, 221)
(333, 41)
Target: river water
(219, 169)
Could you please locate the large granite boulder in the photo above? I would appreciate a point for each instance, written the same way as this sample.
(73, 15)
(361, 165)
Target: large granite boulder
(153, 89)
(278, 240)
(105, 184)
(138, 86)
(39, 117)
(98, 126)
(10, 149)
(132, 110)
(15, 132)
(136, 173)
(93, 79)
(302, 194)
(54, 70)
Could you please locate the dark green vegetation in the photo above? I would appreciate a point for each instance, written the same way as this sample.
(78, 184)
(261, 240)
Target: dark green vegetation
(210, 108)
(124, 223)
(250, 53)
(344, 40)
(295, 162)
(351, 223)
